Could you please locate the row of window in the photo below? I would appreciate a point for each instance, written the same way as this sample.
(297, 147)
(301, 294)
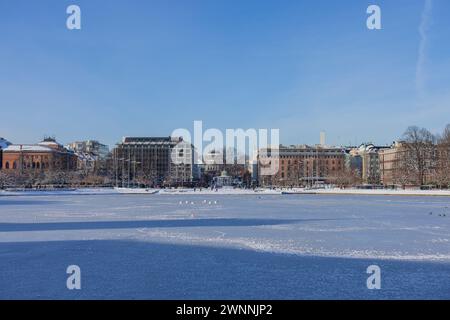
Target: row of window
(307, 162)
(36, 157)
(28, 165)
(312, 155)
(307, 173)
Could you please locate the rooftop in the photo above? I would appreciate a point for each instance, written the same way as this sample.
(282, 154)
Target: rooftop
(151, 140)
(27, 147)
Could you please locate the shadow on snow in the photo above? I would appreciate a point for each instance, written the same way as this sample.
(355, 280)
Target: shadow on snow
(140, 270)
(130, 224)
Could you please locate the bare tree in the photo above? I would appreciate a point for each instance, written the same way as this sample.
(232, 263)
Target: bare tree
(418, 158)
(6, 179)
(345, 177)
(442, 172)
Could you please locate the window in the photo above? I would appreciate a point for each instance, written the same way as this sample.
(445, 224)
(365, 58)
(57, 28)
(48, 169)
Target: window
(7, 165)
(14, 165)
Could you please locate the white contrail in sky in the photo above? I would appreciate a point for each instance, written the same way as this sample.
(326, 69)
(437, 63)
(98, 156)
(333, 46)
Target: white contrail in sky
(423, 31)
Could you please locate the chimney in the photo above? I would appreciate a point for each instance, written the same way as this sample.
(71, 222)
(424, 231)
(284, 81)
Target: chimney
(322, 138)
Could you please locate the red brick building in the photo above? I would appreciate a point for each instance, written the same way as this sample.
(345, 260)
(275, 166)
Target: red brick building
(304, 165)
(46, 155)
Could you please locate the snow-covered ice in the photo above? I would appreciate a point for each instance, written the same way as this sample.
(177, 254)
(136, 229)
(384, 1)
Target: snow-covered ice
(224, 246)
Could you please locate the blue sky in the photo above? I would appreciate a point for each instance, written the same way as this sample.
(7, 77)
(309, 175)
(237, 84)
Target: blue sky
(148, 67)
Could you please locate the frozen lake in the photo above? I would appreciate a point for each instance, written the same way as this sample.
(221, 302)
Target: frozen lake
(224, 247)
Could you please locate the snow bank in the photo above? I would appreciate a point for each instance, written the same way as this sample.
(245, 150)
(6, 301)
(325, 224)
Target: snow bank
(222, 191)
(384, 192)
(84, 191)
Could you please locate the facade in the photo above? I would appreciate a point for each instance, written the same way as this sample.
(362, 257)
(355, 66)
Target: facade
(396, 165)
(303, 165)
(214, 162)
(399, 168)
(91, 147)
(153, 161)
(365, 161)
(90, 153)
(354, 161)
(87, 162)
(388, 163)
(46, 155)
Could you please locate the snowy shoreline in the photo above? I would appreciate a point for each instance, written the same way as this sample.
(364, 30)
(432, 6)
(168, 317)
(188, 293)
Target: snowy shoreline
(87, 191)
(372, 192)
(251, 192)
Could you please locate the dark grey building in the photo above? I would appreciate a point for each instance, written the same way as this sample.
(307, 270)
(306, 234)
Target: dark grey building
(152, 161)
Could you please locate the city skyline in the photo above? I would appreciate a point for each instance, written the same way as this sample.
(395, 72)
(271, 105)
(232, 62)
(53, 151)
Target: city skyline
(147, 68)
(230, 157)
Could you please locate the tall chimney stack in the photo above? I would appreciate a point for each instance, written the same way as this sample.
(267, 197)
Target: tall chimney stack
(322, 138)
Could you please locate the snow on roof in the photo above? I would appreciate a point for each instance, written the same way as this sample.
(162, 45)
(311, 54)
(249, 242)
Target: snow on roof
(86, 156)
(49, 143)
(24, 147)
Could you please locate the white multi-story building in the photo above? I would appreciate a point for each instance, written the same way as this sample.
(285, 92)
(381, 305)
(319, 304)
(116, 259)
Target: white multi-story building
(91, 147)
(90, 153)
